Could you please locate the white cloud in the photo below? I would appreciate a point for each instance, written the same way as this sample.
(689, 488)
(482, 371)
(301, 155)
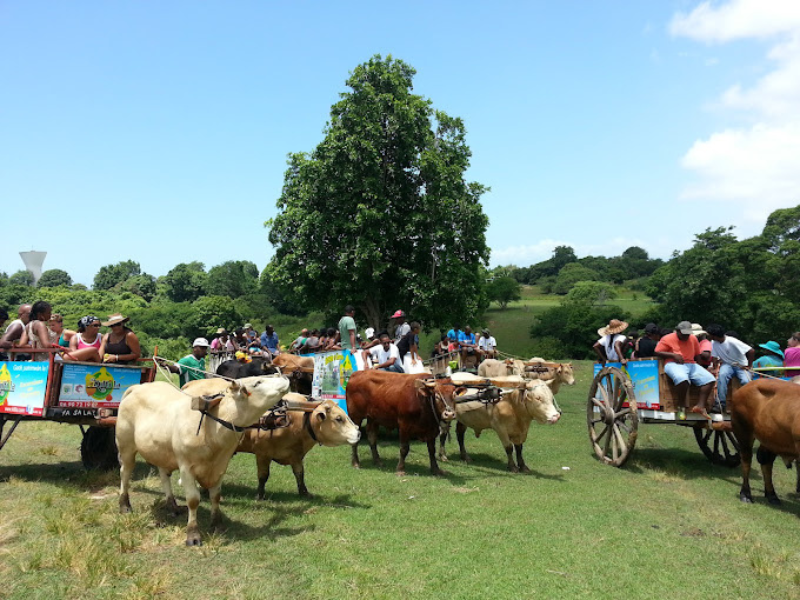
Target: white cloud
(756, 167)
(737, 19)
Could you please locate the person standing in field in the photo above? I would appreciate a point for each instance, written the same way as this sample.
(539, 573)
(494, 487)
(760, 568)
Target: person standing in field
(347, 329)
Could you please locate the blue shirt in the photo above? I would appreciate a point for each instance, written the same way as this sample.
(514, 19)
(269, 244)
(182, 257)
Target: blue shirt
(462, 337)
(270, 342)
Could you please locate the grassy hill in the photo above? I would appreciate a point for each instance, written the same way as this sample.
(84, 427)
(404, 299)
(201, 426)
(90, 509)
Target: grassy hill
(511, 326)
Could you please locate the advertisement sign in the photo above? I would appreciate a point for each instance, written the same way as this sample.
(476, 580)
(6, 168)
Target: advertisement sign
(644, 375)
(95, 386)
(23, 386)
(332, 370)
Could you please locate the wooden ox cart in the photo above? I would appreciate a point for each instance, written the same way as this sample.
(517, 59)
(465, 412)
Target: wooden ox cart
(77, 393)
(620, 398)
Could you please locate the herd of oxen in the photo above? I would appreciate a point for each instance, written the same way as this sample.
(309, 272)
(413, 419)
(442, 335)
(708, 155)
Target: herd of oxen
(256, 409)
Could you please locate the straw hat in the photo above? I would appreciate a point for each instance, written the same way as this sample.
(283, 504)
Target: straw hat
(614, 326)
(114, 319)
(222, 331)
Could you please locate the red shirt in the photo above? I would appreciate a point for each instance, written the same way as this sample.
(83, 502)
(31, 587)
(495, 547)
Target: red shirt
(688, 349)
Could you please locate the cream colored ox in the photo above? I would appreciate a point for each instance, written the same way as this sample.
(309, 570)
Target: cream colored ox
(554, 377)
(522, 401)
(157, 421)
(322, 423)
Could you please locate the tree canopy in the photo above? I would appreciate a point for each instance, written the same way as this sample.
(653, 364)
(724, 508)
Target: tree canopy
(54, 277)
(110, 275)
(379, 214)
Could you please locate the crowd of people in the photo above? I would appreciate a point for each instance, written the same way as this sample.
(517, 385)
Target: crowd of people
(698, 357)
(37, 327)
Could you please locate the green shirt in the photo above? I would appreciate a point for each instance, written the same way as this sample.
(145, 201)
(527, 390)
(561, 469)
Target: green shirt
(196, 369)
(346, 325)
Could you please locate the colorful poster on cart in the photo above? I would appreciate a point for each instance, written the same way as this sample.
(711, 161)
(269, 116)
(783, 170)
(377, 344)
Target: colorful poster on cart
(95, 386)
(644, 375)
(23, 386)
(332, 371)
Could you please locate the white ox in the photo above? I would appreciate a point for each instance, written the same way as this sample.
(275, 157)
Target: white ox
(522, 401)
(554, 377)
(157, 421)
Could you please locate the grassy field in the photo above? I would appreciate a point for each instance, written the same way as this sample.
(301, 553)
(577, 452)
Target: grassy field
(669, 524)
(511, 327)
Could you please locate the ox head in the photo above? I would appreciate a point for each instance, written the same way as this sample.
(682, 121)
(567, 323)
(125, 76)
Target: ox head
(258, 394)
(540, 402)
(565, 373)
(332, 426)
(442, 396)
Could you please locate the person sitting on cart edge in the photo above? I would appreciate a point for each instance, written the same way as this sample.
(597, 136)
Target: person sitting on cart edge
(610, 346)
(191, 366)
(14, 331)
(731, 357)
(646, 345)
(680, 350)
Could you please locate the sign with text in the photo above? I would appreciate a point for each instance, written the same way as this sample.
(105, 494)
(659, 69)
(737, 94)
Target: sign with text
(332, 371)
(644, 375)
(23, 386)
(95, 386)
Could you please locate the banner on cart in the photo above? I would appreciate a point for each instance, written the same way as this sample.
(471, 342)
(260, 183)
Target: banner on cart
(23, 386)
(644, 375)
(90, 386)
(332, 371)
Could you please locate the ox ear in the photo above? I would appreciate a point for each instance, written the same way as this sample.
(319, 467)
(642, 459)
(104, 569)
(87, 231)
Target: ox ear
(235, 388)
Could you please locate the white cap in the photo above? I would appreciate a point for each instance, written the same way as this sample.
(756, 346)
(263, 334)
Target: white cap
(200, 342)
(370, 333)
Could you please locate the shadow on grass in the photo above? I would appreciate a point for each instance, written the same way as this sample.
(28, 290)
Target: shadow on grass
(70, 474)
(490, 465)
(233, 529)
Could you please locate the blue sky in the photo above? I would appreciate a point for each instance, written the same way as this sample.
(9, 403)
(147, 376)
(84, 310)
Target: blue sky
(159, 132)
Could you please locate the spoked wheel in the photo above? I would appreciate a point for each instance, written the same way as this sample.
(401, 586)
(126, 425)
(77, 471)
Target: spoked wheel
(720, 447)
(99, 449)
(612, 427)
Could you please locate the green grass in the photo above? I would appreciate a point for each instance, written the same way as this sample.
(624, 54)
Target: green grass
(669, 524)
(511, 327)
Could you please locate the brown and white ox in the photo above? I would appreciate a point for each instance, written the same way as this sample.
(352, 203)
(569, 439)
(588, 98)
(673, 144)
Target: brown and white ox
(299, 370)
(417, 406)
(157, 421)
(323, 423)
(522, 401)
(767, 410)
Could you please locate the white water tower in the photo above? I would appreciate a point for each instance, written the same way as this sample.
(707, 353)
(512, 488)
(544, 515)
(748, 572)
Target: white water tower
(33, 262)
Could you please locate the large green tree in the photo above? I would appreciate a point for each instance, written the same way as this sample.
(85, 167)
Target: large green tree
(53, 278)
(110, 275)
(186, 282)
(379, 215)
(234, 278)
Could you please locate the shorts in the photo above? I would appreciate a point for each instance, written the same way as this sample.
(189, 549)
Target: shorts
(691, 372)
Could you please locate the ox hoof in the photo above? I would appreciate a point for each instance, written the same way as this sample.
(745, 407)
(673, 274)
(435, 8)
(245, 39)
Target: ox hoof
(773, 499)
(443, 458)
(400, 473)
(438, 473)
(465, 458)
(525, 469)
(745, 498)
(193, 539)
(356, 465)
(513, 468)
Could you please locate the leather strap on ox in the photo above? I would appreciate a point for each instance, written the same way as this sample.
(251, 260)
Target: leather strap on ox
(276, 418)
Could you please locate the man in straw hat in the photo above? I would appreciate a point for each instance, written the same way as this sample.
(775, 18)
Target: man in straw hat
(610, 346)
(680, 350)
